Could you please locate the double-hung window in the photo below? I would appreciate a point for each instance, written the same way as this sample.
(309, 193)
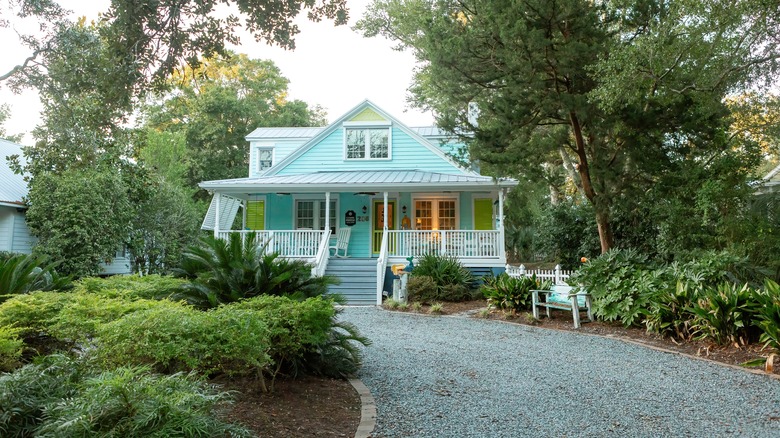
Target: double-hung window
(310, 214)
(264, 158)
(367, 143)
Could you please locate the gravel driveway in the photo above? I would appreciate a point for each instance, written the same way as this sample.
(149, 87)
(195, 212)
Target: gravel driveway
(461, 377)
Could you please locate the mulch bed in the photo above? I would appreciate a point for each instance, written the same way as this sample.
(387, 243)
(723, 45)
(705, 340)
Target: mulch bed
(301, 407)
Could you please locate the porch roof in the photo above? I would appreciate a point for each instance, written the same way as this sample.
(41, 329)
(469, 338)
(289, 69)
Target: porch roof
(364, 180)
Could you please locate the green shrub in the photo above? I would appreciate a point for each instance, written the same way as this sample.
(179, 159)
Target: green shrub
(453, 281)
(622, 284)
(24, 273)
(33, 312)
(307, 336)
(83, 313)
(27, 393)
(152, 287)
(131, 402)
(67, 316)
(228, 271)
(511, 293)
(179, 338)
(421, 288)
(10, 348)
(768, 314)
(671, 311)
(60, 396)
(724, 314)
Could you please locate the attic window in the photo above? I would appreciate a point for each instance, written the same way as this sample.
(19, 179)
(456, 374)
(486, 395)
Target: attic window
(367, 143)
(265, 158)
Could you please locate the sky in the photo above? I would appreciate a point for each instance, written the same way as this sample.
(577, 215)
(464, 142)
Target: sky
(334, 67)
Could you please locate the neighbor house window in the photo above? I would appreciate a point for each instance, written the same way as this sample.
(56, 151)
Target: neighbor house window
(310, 214)
(265, 158)
(367, 143)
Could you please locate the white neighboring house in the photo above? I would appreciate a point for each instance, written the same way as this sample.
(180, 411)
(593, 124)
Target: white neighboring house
(770, 183)
(14, 234)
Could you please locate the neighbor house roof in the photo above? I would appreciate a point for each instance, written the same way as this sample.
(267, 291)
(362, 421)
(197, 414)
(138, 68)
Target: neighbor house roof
(360, 180)
(12, 186)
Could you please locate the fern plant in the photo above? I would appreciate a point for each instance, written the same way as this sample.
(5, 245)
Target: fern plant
(227, 271)
(23, 273)
(724, 314)
(510, 293)
(768, 314)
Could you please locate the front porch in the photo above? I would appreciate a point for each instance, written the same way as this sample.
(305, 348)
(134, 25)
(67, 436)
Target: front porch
(390, 216)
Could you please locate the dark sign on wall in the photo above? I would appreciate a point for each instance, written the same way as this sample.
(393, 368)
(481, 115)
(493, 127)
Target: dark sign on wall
(350, 218)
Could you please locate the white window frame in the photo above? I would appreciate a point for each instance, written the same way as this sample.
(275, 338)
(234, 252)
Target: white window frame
(367, 152)
(435, 198)
(257, 157)
(334, 224)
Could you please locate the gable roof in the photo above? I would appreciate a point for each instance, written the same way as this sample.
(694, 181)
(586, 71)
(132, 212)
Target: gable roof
(361, 108)
(12, 186)
(309, 132)
(367, 180)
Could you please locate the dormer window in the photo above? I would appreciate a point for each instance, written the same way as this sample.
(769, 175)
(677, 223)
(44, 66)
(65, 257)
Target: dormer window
(367, 143)
(264, 158)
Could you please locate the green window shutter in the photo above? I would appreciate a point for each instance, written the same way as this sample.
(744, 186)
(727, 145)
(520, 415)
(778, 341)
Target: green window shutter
(483, 214)
(255, 215)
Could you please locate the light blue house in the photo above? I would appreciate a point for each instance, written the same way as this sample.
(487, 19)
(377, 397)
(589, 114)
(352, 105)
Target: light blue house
(14, 234)
(384, 190)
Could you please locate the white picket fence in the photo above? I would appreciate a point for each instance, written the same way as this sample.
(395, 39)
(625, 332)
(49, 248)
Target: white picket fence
(557, 275)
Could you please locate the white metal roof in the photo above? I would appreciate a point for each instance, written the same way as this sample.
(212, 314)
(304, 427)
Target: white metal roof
(284, 132)
(12, 186)
(306, 133)
(362, 180)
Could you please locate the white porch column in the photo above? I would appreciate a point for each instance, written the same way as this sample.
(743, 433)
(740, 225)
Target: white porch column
(385, 212)
(217, 207)
(244, 204)
(502, 244)
(327, 211)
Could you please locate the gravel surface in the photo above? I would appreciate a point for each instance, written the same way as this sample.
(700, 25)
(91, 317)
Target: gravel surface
(461, 377)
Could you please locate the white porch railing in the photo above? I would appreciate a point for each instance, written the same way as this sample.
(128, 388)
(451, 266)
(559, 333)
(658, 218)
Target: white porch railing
(557, 275)
(302, 244)
(381, 264)
(456, 243)
(321, 259)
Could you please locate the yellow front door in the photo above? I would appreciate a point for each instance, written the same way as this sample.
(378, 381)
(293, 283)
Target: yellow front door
(377, 224)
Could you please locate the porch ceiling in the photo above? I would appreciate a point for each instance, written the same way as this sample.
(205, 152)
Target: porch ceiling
(363, 180)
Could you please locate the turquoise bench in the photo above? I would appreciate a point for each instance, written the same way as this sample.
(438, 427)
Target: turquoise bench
(560, 297)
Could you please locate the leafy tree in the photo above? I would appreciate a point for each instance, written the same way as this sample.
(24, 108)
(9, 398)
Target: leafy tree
(166, 222)
(625, 92)
(5, 112)
(216, 105)
(150, 39)
(80, 217)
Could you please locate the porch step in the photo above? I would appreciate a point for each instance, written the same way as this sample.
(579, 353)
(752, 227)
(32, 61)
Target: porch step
(358, 280)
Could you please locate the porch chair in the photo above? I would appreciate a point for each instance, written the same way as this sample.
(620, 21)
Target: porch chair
(560, 297)
(342, 242)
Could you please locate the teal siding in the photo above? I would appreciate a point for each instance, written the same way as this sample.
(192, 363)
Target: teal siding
(360, 238)
(282, 148)
(466, 205)
(279, 212)
(407, 153)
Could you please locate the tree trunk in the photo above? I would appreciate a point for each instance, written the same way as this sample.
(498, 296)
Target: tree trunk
(606, 238)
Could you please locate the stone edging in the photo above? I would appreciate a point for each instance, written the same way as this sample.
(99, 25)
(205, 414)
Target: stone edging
(627, 340)
(367, 410)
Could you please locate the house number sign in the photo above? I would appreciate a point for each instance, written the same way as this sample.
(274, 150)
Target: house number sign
(350, 218)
